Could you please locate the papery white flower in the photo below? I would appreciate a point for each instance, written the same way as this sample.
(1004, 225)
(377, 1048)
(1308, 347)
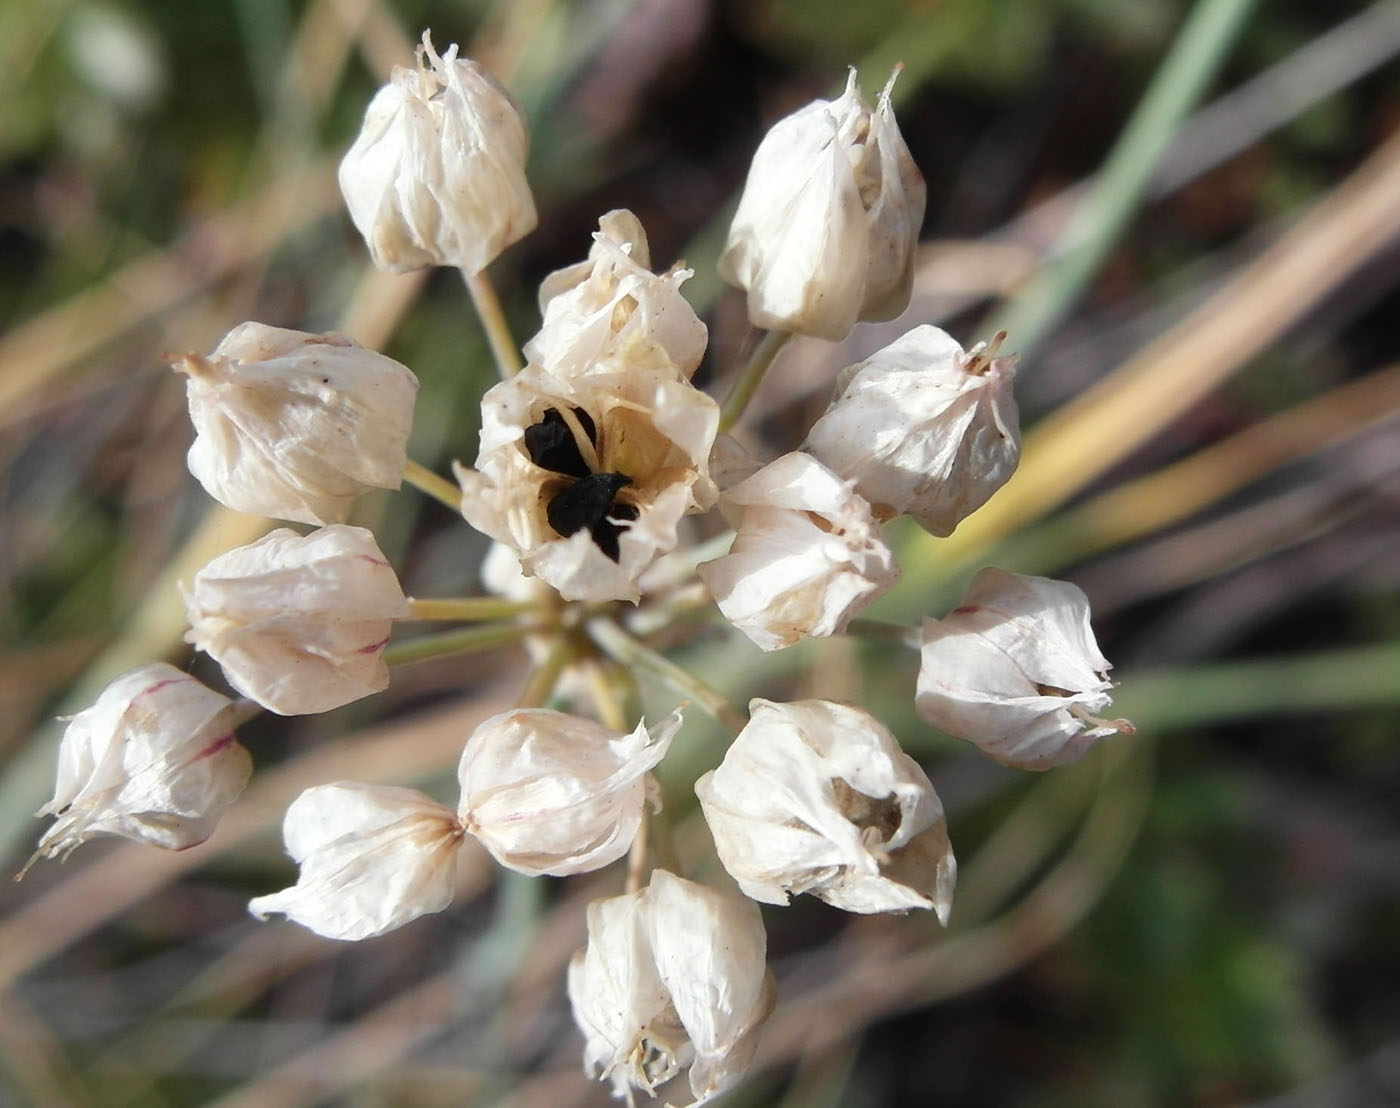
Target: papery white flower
(588, 478)
(1014, 669)
(299, 623)
(550, 793)
(807, 556)
(817, 797)
(372, 857)
(294, 425)
(829, 219)
(437, 174)
(612, 300)
(154, 759)
(923, 428)
(673, 976)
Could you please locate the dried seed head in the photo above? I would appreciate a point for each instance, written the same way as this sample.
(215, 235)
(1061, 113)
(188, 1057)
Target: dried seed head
(923, 428)
(550, 793)
(298, 623)
(437, 174)
(372, 857)
(588, 478)
(1015, 670)
(829, 219)
(673, 976)
(612, 300)
(807, 555)
(817, 797)
(294, 425)
(154, 759)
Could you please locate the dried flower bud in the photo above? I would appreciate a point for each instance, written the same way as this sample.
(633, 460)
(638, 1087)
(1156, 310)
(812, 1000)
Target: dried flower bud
(588, 478)
(1015, 670)
(807, 556)
(829, 219)
(298, 623)
(372, 857)
(294, 425)
(437, 174)
(549, 793)
(923, 428)
(673, 975)
(817, 797)
(613, 299)
(154, 760)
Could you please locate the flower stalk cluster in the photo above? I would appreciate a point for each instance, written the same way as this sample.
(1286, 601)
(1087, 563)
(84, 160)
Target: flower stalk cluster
(617, 510)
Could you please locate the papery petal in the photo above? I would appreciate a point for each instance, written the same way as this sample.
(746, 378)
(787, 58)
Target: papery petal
(817, 797)
(920, 434)
(649, 424)
(299, 624)
(373, 857)
(673, 976)
(154, 760)
(828, 220)
(1015, 670)
(602, 306)
(295, 425)
(807, 556)
(710, 950)
(550, 793)
(437, 174)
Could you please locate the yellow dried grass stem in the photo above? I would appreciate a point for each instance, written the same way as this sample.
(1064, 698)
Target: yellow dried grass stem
(1085, 438)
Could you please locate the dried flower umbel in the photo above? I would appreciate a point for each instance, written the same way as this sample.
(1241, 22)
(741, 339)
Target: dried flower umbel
(598, 461)
(437, 174)
(299, 624)
(1014, 669)
(297, 426)
(155, 760)
(829, 218)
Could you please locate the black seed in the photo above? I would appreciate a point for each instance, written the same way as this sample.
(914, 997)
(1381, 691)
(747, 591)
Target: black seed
(551, 444)
(587, 504)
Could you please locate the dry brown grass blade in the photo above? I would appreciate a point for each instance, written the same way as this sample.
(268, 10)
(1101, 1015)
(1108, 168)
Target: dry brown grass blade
(41, 349)
(1175, 492)
(103, 889)
(1087, 436)
(34, 1060)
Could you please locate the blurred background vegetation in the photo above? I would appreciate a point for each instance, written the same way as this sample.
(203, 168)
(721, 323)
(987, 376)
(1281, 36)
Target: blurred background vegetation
(1186, 214)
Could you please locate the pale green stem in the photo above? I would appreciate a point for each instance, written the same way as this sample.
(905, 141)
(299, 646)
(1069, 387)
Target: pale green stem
(607, 697)
(637, 856)
(468, 608)
(539, 686)
(439, 488)
(630, 652)
(1117, 190)
(493, 321)
(462, 640)
(750, 377)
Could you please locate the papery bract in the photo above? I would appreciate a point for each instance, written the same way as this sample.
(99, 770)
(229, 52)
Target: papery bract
(641, 421)
(154, 760)
(550, 793)
(923, 428)
(673, 976)
(829, 219)
(612, 300)
(372, 857)
(1015, 670)
(437, 174)
(299, 623)
(817, 797)
(807, 556)
(294, 425)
